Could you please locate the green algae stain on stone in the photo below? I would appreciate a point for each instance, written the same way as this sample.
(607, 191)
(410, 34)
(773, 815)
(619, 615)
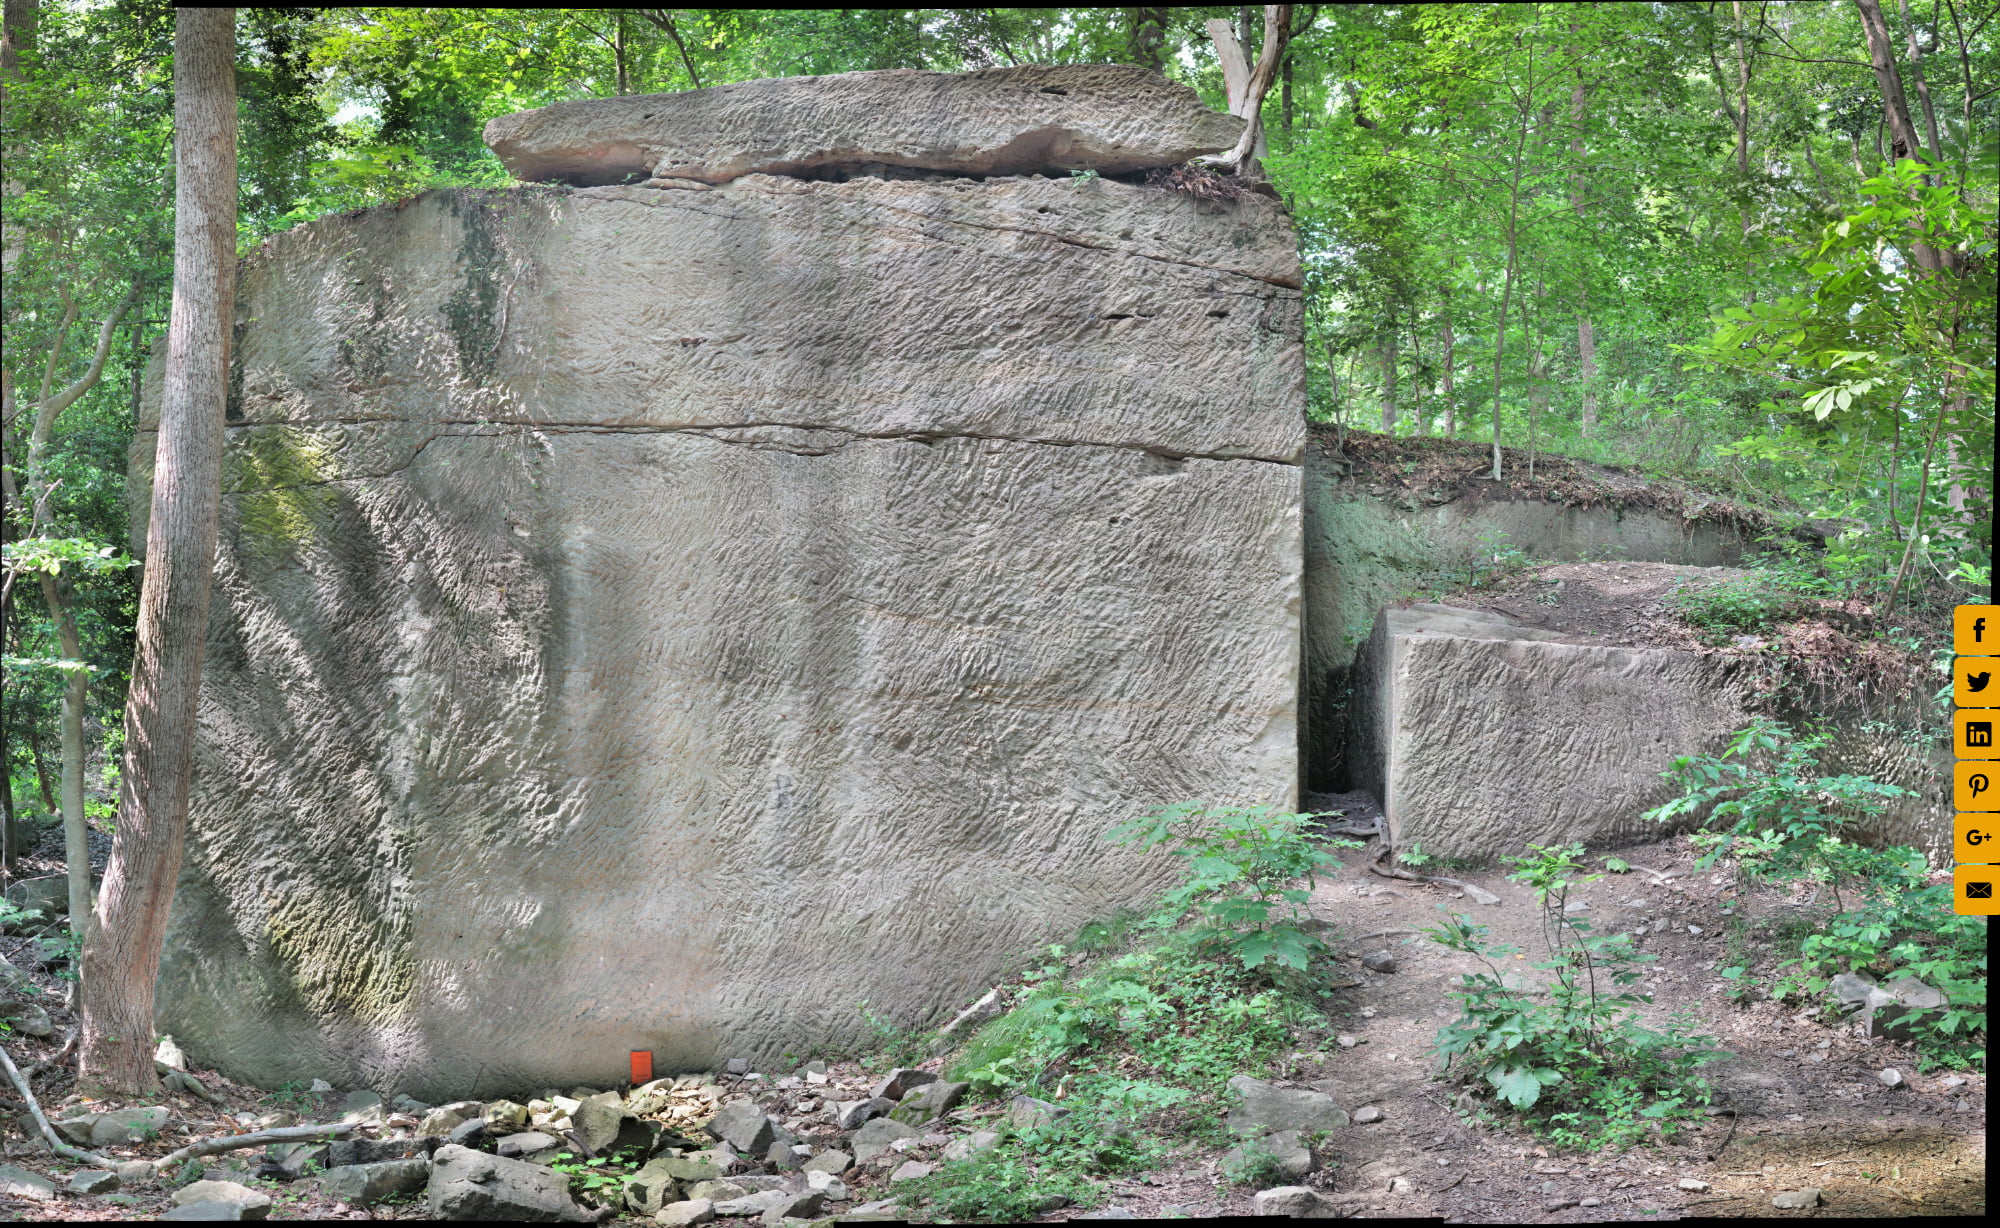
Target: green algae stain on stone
(283, 480)
(342, 958)
(472, 313)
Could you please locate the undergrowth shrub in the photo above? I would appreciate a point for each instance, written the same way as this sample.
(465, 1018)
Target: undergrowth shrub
(1138, 1044)
(1579, 1067)
(1743, 606)
(1782, 819)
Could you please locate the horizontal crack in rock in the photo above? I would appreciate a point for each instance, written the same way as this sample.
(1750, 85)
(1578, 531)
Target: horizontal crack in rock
(720, 433)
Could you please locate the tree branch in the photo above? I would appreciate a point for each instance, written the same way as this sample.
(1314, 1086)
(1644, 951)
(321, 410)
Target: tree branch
(89, 378)
(664, 19)
(62, 1149)
(257, 1138)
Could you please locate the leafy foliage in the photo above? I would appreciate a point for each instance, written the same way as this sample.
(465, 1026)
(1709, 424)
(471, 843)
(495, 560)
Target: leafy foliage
(1785, 821)
(1786, 815)
(1239, 862)
(1580, 1067)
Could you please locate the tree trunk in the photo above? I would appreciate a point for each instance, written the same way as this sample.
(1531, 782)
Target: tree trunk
(1147, 38)
(11, 833)
(1507, 285)
(1586, 340)
(1388, 359)
(58, 594)
(1882, 58)
(76, 692)
(41, 770)
(1936, 146)
(1244, 159)
(1450, 402)
(1586, 347)
(122, 957)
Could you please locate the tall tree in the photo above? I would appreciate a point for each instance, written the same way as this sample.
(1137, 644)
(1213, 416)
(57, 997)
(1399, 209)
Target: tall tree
(122, 956)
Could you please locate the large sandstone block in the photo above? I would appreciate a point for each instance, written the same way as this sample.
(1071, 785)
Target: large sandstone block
(656, 619)
(1482, 736)
(1111, 118)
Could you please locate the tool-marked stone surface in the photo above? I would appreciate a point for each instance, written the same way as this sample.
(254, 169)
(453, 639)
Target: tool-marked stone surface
(654, 604)
(1582, 730)
(1000, 121)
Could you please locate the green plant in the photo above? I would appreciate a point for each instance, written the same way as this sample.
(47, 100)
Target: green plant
(602, 1176)
(1781, 811)
(1414, 855)
(999, 1186)
(1239, 859)
(896, 1046)
(12, 914)
(1579, 1067)
(1495, 559)
(1904, 925)
(1741, 606)
(1253, 1164)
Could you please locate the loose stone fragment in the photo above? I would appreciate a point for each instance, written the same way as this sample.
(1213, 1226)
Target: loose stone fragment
(249, 1203)
(93, 1181)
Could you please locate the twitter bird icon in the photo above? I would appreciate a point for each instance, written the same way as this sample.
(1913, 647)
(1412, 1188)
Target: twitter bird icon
(1969, 682)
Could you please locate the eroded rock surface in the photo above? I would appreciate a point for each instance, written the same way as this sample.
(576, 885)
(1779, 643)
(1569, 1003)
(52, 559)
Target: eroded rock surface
(637, 610)
(1482, 734)
(999, 121)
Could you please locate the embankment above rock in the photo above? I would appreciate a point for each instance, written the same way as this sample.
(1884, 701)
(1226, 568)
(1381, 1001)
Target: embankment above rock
(1003, 121)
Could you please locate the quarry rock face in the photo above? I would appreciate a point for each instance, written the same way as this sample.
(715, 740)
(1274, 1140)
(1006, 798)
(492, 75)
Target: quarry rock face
(1109, 118)
(1482, 736)
(656, 618)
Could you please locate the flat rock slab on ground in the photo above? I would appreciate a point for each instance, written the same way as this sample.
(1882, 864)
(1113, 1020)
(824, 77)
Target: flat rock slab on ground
(998, 121)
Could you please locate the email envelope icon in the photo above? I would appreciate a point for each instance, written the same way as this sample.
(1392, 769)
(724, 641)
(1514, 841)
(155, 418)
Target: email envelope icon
(1979, 891)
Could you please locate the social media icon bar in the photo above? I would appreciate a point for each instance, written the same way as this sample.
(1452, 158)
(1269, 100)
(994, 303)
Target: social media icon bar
(1975, 695)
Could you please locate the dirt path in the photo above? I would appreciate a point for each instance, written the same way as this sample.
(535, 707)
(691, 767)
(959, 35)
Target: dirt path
(1811, 1111)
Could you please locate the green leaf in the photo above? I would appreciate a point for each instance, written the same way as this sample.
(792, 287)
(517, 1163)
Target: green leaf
(1521, 1086)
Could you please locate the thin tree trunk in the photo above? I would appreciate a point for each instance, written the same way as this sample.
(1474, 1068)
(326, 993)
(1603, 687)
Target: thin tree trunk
(1387, 355)
(41, 770)
(1285, 98)
(1923, 84)
(1507, 284)
(618, 53)
(1244, 159)
(1586, 341)
(1450, 401)
(1882, 59)
(1146, 39)
(76, 692)
(58, 595)
(11, 834)
(122, 956)
(1917, 521)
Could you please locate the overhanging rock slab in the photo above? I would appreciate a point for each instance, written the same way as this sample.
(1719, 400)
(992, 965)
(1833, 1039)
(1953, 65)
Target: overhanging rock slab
(1110, 118)
(661, 618)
